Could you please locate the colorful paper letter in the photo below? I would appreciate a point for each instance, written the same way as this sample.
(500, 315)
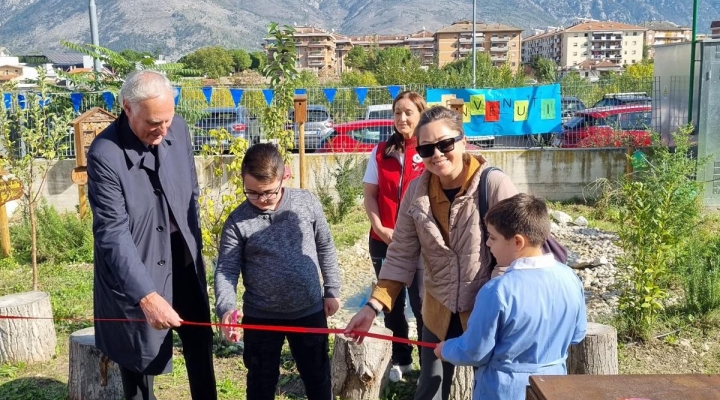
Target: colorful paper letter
(492, 111)
(547, 109)
(477, 104)
(521, 110)
(466, 113)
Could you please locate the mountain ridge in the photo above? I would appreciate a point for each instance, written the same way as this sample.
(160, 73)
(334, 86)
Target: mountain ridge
(177, 27)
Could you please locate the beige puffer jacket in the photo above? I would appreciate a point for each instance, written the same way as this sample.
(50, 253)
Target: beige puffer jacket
(453, 273)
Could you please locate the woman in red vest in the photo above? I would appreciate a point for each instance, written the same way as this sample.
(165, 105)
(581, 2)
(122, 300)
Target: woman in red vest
(391, 167)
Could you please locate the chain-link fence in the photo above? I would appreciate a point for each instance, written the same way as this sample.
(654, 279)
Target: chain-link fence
(606, 113)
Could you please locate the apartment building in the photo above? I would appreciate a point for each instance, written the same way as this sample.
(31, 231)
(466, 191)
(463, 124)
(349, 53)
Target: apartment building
(501, 42)
(663, 32)
(422, 46)
(316, 48)
(715, 30)
(618, 43)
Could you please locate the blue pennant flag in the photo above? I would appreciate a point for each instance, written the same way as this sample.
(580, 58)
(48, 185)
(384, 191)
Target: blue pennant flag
(394, 91)
(300, 91)
(269, 95)
(8, 100)
(330, 94)
(236, 95)
(44, 101)
(207, 91)
(176, 94)
(109, 98)
(76, 99)
(361, 93)
(21, 101)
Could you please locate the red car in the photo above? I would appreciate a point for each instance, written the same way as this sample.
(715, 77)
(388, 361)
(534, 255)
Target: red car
(361, 136)
(615, 126)
(357, 136)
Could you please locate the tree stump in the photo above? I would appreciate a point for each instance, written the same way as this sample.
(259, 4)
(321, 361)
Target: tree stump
(27, 340)
(463, 382)
(360, 372)
(597, 354)
(92, 375)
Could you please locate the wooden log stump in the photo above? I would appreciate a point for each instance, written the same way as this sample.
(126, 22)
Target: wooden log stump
(27, 340)
(360, 372)
(463, 382)
(597, 354)
(92, 375)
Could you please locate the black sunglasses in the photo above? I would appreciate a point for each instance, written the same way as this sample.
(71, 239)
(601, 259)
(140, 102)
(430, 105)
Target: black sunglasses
(445, 146)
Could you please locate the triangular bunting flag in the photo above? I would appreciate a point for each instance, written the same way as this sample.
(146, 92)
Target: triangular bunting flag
(43, 102)
(394, 91)
(76, 99)
(8, 100)
(236, 95)
(361, 93)
(330, 94)
(300, 91)
(176, 94)
(21, 101)
(269, 95)
(109, 98)
(207, 91)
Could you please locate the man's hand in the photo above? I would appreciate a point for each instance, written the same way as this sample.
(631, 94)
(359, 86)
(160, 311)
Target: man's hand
(438, 350)
(232, 334)
(158, 312)
(362, 321)
(331, 305)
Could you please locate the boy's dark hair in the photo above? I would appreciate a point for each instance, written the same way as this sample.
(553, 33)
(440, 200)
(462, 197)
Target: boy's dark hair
(522, 214)
(263, 162)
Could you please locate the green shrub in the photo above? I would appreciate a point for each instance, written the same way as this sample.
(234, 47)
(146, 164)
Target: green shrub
(347, 178)
(701, 278)
(62, 237)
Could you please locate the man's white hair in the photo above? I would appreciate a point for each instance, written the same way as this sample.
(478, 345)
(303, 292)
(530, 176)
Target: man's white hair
(143, 85)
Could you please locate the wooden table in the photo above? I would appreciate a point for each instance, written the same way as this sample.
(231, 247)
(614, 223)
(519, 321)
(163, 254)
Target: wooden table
(617, 387)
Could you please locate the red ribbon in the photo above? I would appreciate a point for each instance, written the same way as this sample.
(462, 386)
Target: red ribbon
(271, 328)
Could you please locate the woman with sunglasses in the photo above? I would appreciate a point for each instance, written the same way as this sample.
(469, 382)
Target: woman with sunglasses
(391, 167)
(438, 220)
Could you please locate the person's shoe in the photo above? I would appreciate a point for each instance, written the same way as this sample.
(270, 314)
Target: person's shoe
(397, 371)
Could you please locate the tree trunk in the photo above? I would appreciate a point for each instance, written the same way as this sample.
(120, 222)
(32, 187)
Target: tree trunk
(33, 244)
(26, 340)
(92, 375)
(360, 372)
(463, 382)
(597, 354)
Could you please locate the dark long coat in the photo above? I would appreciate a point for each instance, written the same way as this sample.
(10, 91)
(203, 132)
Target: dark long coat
(132, 237)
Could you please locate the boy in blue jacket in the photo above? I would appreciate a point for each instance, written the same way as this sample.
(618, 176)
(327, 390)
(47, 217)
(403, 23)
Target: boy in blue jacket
(524, 320)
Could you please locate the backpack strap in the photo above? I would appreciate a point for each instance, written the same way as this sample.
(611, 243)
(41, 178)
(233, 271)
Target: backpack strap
(484, 205)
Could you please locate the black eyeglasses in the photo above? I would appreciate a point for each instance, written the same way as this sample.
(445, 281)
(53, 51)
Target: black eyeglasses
(445, 146)
(270, 195)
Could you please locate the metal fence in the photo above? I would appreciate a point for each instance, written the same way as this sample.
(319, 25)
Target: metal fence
(631, 108)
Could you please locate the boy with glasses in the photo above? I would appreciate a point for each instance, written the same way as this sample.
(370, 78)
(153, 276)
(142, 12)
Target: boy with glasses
(280, 242)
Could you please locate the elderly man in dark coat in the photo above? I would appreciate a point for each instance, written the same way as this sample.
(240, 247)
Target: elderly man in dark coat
(143, 192)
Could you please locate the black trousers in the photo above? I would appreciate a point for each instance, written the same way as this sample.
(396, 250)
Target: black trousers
(395, 320)
(310, 352)
(190, 303)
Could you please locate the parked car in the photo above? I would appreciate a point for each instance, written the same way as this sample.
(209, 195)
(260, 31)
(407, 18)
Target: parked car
(361, 136)
(608, 127)
(239, 122)
(380, 111)
(318, 125)
(624, 99)
(569, 106)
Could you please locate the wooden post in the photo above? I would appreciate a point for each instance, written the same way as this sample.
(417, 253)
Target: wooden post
(83, 201)
(628, 159)
(10, 189)
(597, 354)
(27, 340)
(92, 375)
(4, 232)
(300, 105)
(360, 372)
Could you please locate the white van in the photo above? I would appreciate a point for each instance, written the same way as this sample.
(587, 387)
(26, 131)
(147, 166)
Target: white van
(380, 111)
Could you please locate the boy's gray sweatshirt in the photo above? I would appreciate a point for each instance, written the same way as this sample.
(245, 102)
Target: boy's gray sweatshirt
(281, 255)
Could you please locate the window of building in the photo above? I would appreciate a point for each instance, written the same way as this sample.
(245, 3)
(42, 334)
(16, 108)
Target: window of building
(576, 35)
(513, 63)
(634, 52)
(575, 53)
(575, 44)
(587, 74)
(634, 33)
(586, 35)
(634, 42)
(633, 61)
(514, 44)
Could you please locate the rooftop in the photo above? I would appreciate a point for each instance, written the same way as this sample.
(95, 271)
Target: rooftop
(603, 26)
(466, 26)
(664, 26)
